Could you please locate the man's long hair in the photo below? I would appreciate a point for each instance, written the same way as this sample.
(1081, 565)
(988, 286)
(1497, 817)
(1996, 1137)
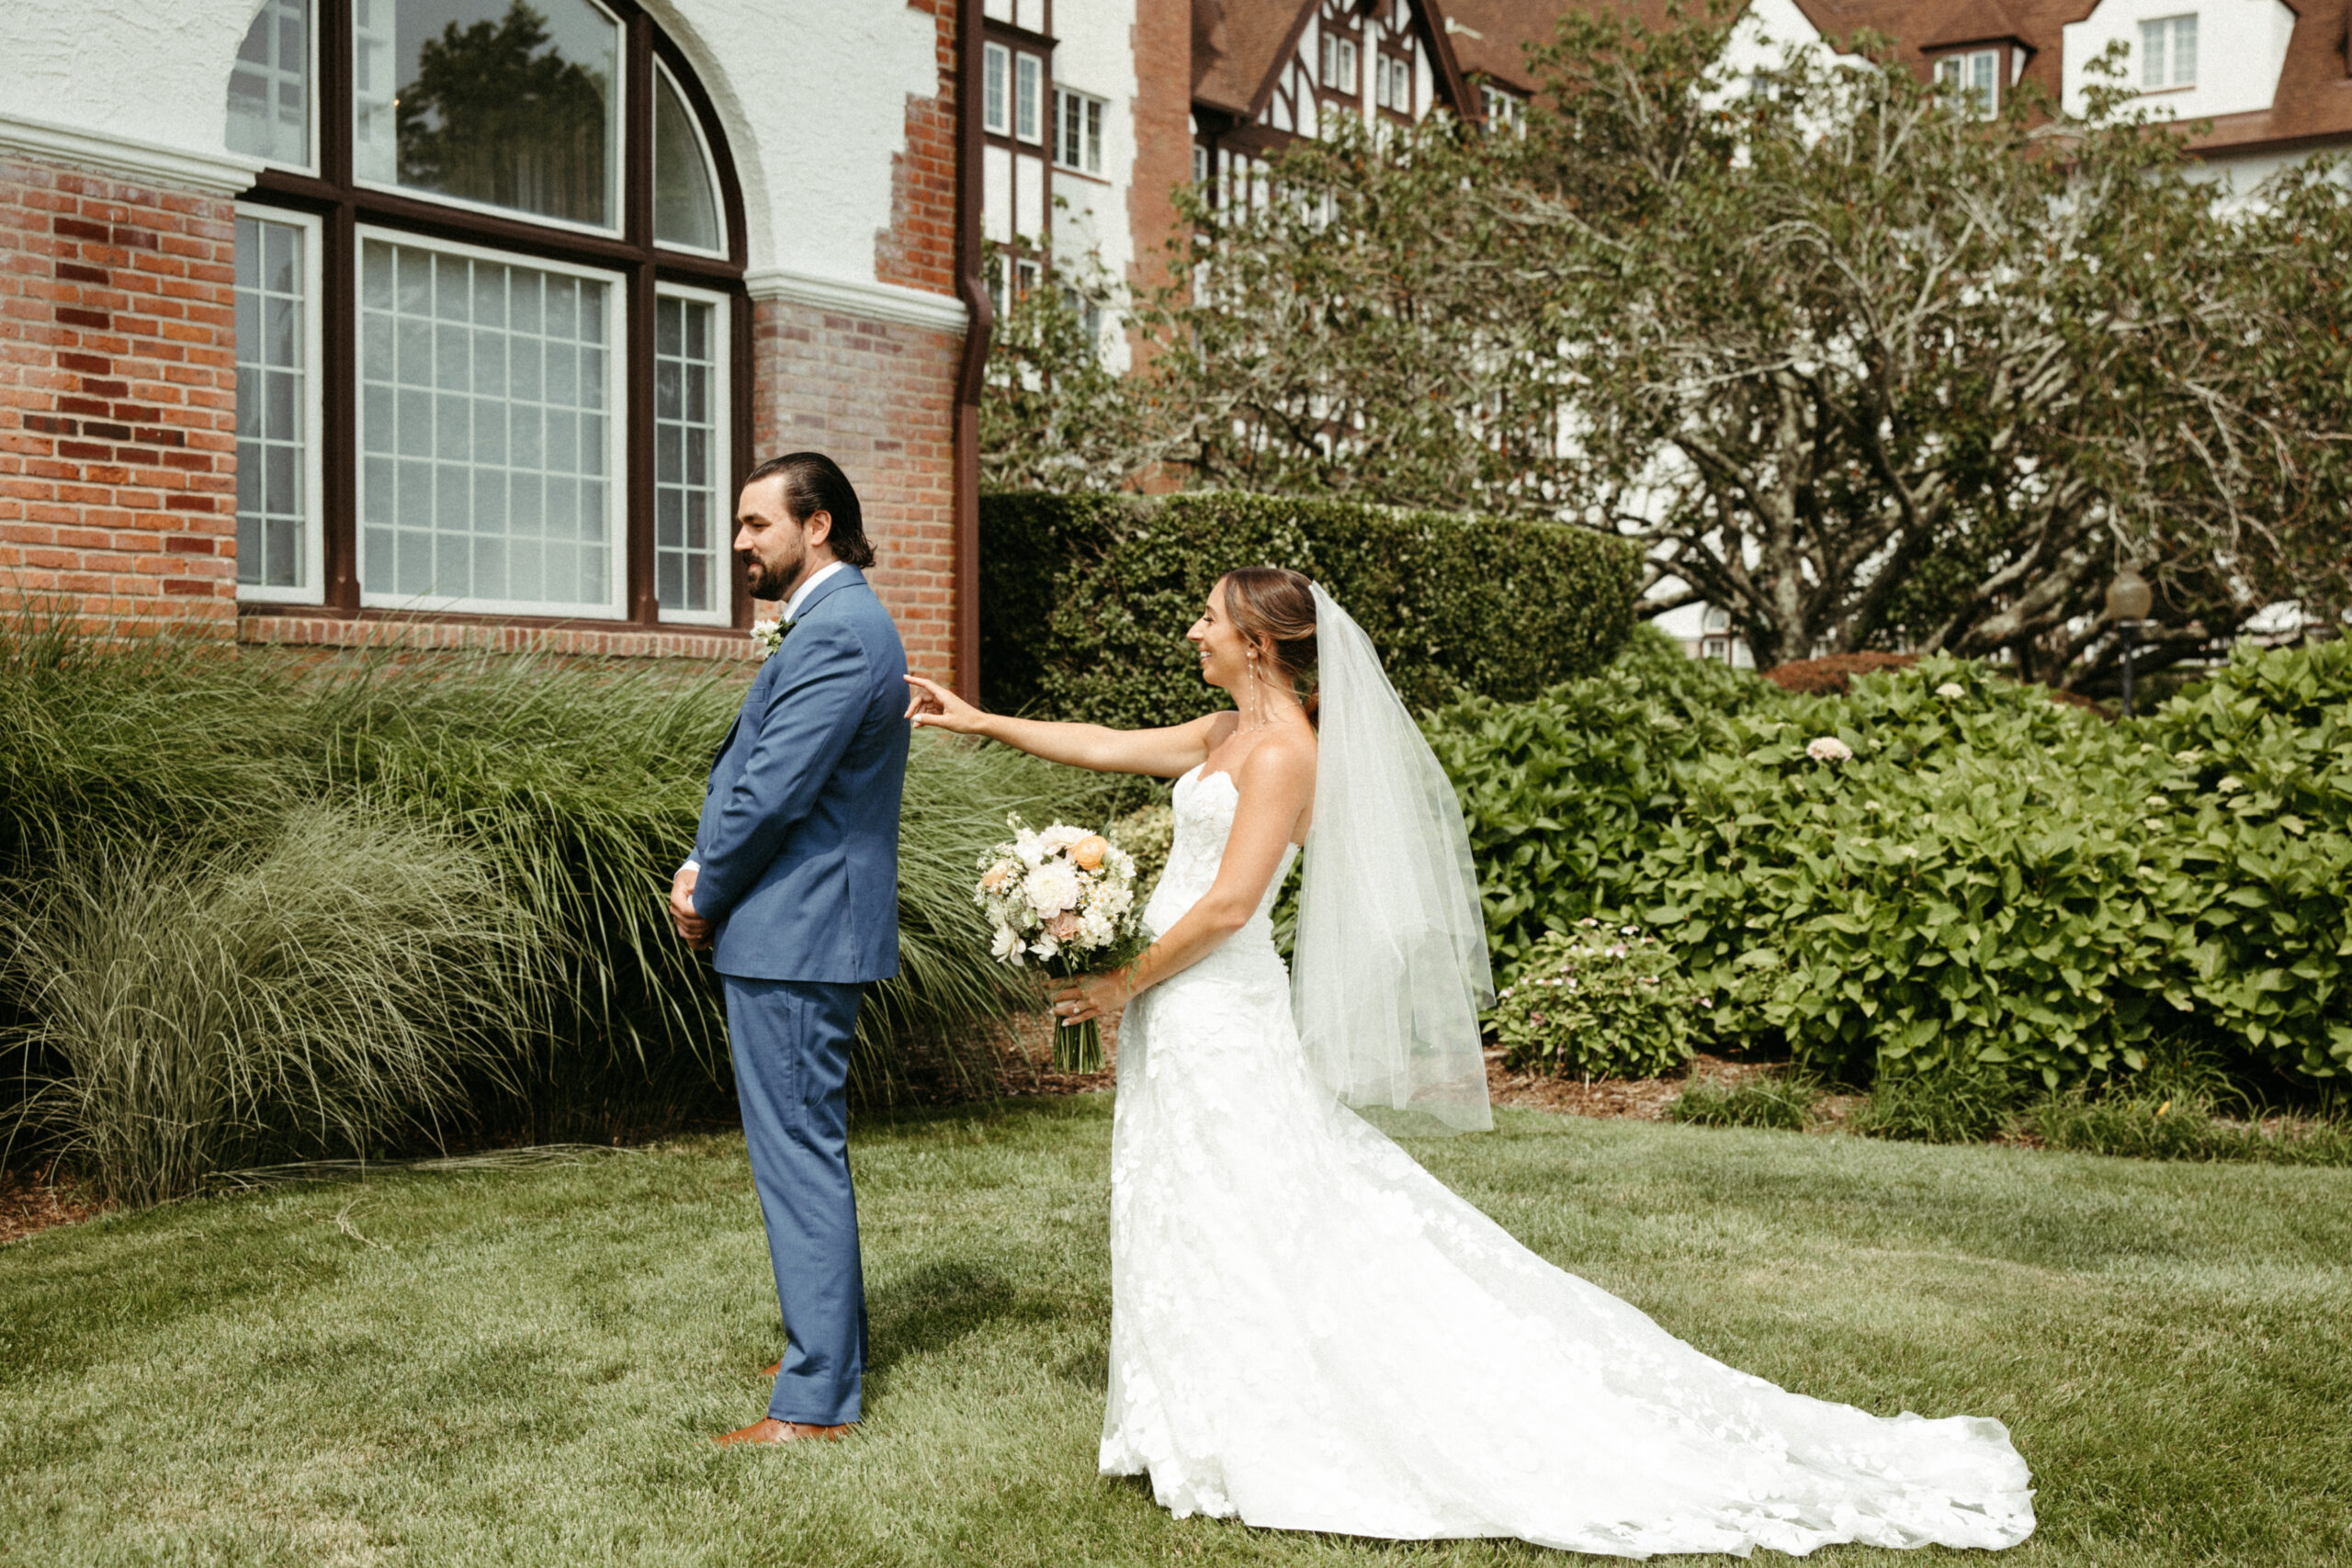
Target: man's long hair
(813, 483)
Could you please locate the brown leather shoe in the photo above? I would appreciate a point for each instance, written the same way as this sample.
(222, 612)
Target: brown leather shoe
(768, 1429)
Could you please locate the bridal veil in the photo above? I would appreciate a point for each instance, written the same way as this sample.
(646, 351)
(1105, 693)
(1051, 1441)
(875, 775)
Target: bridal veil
(1389, 971)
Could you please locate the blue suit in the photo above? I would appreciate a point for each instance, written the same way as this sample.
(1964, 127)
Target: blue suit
(798, 857)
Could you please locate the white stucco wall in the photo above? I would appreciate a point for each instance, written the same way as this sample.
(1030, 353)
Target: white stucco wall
(812, 94)
(1765, 30)
(2241, 47)
(1096, 54)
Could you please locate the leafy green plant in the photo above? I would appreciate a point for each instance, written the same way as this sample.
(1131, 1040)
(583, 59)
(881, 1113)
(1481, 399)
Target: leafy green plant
(1148, 833)
(1941, 869)
(1947, 1106)
(2153, 1124)
(1777, 1101)
(1610, 1002)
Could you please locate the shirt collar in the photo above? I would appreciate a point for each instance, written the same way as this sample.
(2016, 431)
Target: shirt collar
(800, 594)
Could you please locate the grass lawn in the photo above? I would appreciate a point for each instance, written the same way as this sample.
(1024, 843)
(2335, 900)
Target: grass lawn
(520, 1367)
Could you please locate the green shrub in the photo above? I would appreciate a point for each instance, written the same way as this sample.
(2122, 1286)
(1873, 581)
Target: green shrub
(1776, 1101)
(1085, 599)
(1946, 1106)
(1601, 1001)
(195, 1012)
(572, 788)
(1147, 833)
(1985, 881)
(2147, 1124)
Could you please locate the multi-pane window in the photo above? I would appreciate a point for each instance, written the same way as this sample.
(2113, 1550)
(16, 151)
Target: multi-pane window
(996, 89)
(1505, 110)
(1078, 143)
(1028, 92)
(269, 90)
(1200, 165)
(482, 452)
(689, 517)
(485, 425)
(2168, 52)
(1339, 63)
(277, 504)
(1393, 82)
(1975, 76)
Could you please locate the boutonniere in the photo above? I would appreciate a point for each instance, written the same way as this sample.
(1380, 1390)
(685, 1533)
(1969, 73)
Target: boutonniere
(768, 635)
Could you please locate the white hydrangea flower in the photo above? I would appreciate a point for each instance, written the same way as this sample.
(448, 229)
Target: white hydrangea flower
(1952, 689)
(1828, 749)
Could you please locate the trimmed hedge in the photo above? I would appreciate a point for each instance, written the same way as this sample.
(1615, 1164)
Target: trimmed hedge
(1084, 599)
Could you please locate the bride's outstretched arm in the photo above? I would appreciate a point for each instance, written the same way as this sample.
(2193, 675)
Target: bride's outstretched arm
(1161, 754)
(1276, 786)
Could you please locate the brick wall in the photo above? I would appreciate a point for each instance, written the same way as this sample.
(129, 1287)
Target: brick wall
(878, 398)
(918, 249)
(117, 400)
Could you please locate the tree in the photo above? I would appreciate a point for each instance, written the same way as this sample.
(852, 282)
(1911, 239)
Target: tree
(1054, 415)
(490, 118)
(1852, 362)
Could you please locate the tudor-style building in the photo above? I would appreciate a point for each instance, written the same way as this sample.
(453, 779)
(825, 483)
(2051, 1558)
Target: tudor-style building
(451, 322)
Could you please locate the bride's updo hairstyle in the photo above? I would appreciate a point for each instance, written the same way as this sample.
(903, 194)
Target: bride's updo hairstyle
(1274, 609)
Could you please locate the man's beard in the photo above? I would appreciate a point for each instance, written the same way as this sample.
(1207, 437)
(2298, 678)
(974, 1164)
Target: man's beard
(769, 583)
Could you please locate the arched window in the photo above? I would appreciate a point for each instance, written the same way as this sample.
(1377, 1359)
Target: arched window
(491, 335)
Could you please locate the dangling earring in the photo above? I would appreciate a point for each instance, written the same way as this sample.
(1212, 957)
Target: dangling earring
(1254, 713)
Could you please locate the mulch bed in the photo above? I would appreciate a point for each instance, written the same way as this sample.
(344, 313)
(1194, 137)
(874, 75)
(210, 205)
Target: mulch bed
(30, 1200)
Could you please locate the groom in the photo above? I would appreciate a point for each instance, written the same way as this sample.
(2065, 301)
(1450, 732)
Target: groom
(793, 884)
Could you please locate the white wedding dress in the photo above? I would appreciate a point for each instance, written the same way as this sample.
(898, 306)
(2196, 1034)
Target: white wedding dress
(1309, 1332)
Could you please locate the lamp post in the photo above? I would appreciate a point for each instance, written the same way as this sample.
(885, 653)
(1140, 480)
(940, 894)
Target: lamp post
(2128, 599)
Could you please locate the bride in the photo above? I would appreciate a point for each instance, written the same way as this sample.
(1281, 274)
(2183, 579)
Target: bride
(1311, 1332)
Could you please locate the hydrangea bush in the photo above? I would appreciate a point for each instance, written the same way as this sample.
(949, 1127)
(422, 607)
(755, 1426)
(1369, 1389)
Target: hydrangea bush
(1610, 1001)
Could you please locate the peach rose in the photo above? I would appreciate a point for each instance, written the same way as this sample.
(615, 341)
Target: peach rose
(995, 876)
(1088, 852)
(1062, 927)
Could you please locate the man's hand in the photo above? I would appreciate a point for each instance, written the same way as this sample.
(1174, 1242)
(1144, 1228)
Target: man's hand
(691, 928)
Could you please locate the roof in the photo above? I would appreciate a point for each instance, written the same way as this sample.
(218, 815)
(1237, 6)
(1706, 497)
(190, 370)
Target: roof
(2312, 102)
(1238, 45)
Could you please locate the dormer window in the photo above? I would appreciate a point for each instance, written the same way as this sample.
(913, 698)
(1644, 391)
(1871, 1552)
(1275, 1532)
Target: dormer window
(1505, 110)
(1975, 76)
(2169, 53)
(1393, 82)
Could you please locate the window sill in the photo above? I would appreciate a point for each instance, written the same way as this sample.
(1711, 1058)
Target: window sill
(308, 627)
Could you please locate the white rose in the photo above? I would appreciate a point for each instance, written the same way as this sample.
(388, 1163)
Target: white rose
(1059, 837)
(1052, 887)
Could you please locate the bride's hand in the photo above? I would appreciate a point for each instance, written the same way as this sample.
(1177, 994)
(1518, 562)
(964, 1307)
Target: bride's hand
(928, 703)
(1090, 996)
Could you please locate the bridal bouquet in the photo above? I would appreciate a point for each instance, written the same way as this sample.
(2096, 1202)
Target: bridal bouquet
(1061, 900)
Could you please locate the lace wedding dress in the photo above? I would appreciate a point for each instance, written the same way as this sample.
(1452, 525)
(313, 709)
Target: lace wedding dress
(1309, 1332)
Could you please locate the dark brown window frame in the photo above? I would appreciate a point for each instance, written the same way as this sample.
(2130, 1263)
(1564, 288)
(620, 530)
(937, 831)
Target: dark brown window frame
(638, 265)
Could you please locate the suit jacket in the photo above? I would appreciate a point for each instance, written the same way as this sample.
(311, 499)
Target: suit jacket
(798, 845)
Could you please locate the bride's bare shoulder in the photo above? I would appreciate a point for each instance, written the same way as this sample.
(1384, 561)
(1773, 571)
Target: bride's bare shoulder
(1284, 760)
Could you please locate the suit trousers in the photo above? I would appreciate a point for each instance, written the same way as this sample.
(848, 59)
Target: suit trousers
(791, 1042)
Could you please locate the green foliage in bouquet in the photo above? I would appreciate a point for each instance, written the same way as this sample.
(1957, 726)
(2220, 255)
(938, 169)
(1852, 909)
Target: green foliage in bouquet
(1084, 599)
(1603, 1000)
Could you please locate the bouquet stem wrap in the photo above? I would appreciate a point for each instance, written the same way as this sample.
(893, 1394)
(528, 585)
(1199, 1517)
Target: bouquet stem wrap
(1078, 1047)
